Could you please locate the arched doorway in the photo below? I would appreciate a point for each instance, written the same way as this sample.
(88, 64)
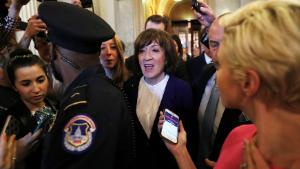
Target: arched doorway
(186, 26)
(182, 19)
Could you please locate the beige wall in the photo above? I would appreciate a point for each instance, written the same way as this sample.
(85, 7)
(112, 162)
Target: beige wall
(106, 9)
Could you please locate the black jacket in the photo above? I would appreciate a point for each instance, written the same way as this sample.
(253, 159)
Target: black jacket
(93, 127)
(230, 119)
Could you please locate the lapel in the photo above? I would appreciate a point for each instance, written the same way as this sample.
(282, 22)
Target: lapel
(201, 59)
(199, 86)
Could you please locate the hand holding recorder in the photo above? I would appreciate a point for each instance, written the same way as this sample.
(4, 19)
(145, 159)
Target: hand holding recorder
(180, 146)
(203, 13)
(169, 129)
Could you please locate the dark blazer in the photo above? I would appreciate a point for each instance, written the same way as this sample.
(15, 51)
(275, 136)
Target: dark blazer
(199, 86)
(133, 66)
(229, 120)
(181, 71)
(194, 68)
(152, 153)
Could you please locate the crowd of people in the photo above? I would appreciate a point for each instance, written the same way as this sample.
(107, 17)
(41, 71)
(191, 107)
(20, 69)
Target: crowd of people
(81, 104)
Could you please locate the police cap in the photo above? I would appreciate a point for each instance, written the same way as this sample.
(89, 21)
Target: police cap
(74, 28)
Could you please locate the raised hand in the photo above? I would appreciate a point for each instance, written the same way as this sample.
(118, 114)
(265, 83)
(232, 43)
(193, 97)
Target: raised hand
(35, 26)
(181, 144)
(207, 16)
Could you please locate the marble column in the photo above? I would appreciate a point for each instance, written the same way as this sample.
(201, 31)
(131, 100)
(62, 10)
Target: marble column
(106, 9)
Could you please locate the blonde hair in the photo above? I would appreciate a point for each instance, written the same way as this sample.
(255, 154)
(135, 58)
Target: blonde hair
(120, 73)
(265, 36)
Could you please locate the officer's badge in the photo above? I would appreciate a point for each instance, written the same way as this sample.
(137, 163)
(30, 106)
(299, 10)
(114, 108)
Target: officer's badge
(78, 133)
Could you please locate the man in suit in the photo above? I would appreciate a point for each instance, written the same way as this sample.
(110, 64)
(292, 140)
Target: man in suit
(195, 65)
(212, 134)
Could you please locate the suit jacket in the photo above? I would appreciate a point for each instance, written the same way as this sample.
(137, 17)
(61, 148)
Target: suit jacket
(152, 152)
(229, 120)
(133, 66)
(194, 68)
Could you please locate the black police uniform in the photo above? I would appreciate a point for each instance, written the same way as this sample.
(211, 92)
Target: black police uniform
(93, 127)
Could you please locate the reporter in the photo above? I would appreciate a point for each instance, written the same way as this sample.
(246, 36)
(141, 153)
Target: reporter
(258, 72)
(112, 59)
(32, 111)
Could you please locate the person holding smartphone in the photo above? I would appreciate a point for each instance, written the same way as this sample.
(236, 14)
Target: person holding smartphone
(263, 83)
(203, 13)
(27, 74)
(157, 89)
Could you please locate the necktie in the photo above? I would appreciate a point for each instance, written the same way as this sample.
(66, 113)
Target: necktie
(209, 118)
(208, 121)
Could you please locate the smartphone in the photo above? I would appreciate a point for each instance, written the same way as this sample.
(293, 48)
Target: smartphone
(170, 127)
(43, 117)
(196, 6)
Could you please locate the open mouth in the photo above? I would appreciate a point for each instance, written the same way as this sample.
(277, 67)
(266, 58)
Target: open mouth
(148, 67)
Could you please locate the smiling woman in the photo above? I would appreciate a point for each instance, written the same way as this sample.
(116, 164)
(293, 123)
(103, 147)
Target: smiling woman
(155, 91)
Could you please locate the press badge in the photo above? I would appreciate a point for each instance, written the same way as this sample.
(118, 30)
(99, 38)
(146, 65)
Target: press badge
(79, 133)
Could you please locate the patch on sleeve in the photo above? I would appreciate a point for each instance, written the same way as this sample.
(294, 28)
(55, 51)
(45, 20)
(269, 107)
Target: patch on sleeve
(79, 133)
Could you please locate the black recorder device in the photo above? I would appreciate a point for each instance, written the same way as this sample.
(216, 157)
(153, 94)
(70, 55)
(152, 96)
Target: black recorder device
(196, 6)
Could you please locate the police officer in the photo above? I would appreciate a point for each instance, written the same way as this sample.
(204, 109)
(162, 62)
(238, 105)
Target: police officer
(92, 129)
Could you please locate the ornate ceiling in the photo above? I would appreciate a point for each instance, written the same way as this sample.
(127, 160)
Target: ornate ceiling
(165, 7)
